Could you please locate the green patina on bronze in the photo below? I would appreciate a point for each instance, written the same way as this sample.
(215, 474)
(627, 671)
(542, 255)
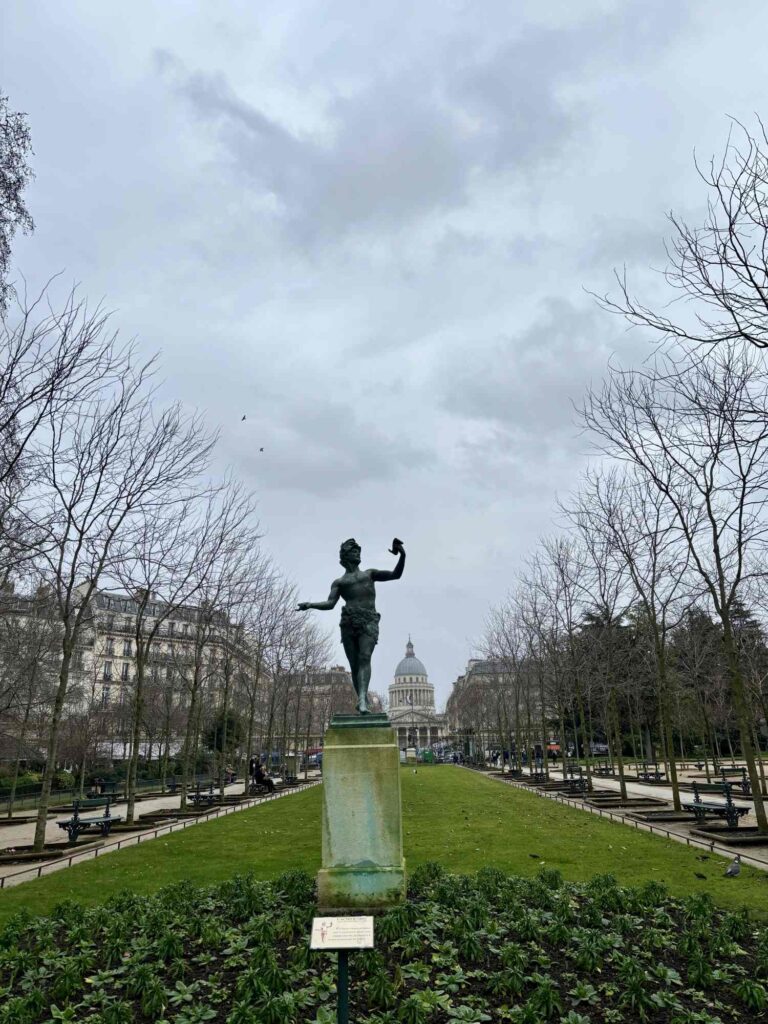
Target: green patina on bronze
(359, 618)
(363, 866)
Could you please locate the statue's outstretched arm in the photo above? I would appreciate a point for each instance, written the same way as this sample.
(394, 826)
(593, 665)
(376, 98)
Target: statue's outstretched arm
(382, 575)
(322, 606)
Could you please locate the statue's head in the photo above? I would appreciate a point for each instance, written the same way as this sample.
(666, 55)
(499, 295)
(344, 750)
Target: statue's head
(349, 554)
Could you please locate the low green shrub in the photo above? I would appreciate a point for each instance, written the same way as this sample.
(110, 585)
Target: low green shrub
(489, 947)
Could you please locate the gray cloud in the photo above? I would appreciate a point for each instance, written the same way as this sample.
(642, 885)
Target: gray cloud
(529, 379)
(369, 227)
(324, 448)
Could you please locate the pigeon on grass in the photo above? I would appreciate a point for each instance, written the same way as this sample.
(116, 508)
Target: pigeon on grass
(734, 868)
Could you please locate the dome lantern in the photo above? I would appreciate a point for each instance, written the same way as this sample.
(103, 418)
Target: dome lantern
(410, 665)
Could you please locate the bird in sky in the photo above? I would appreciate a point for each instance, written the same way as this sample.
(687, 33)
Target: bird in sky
(243, 419)
(261, 449)
(734, 868)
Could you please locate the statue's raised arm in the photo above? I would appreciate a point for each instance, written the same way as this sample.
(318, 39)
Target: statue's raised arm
(382, 575)
(359, 618)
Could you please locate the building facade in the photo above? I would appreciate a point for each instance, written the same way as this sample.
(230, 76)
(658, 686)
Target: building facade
(412, 705)
(494, 707)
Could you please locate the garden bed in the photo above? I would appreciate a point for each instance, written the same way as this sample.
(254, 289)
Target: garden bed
(684, 817)
(26, 854)
(744, 835)
(171, 813)
(489, 947)
(631, 801)
(123, 827)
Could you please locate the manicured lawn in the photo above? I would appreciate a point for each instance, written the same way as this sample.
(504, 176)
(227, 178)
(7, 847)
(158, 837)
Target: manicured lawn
(459, 818)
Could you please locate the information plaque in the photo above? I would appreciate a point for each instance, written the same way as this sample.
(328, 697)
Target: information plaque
(332, 933)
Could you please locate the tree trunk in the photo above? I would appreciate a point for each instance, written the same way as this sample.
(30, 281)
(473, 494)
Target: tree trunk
(707, 739)
(50, 754)
(582, 726)
(614, 712)
(667, 727)
(17, 761)
(137, 715)
(742, 717)
(189, 733)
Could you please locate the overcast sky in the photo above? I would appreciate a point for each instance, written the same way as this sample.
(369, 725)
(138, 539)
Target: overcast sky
(371, 228)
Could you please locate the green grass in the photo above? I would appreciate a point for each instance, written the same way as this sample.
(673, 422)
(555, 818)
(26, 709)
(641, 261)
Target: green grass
(456, 817)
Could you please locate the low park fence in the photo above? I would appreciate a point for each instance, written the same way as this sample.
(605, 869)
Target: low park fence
(28, 797)
(644, 826)
(48, 867)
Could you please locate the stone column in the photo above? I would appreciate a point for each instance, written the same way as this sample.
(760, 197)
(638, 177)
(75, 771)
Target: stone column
(363, 866)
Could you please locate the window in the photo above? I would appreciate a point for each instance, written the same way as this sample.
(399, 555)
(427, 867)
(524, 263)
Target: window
(124, 670)
(127, 652)
(104, 696)
(110, 646)
(171, 628)
(107, 669)
(109, 624)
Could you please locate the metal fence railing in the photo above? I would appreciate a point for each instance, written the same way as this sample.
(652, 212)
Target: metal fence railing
(28, 797)
(48, 867)
(644, 826)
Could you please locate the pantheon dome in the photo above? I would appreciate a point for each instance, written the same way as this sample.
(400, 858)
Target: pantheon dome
(412, 704)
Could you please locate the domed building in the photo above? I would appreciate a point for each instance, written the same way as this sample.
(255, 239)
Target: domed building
(412, 704)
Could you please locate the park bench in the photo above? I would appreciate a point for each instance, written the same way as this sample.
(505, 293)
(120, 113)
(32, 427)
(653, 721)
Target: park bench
(729, 810)
(741, 775)
(76, 825)
(101, 790)
(706, 787)
(89, 802)
(603, 769)
(198, 798)
(651, 774)
(574, 781)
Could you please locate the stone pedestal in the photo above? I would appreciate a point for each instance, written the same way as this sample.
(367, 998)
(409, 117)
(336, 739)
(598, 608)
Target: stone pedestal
(363, 867)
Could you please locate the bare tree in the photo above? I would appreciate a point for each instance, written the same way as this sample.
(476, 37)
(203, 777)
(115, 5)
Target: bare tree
(221, 564)
(263, 625)
(719, 270)
(15, 173)
(697, 430)
(30, 643)
(619, 517)
(52, 361)
(164, 563)
(103, 460)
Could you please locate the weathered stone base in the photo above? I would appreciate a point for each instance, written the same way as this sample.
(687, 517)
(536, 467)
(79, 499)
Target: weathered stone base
(360, 890)
(363, 868)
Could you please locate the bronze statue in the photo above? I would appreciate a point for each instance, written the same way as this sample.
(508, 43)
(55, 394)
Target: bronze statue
(359, 618)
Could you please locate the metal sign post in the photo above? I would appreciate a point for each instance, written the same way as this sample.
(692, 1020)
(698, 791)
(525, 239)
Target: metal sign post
(342, 988)
(339, 935)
